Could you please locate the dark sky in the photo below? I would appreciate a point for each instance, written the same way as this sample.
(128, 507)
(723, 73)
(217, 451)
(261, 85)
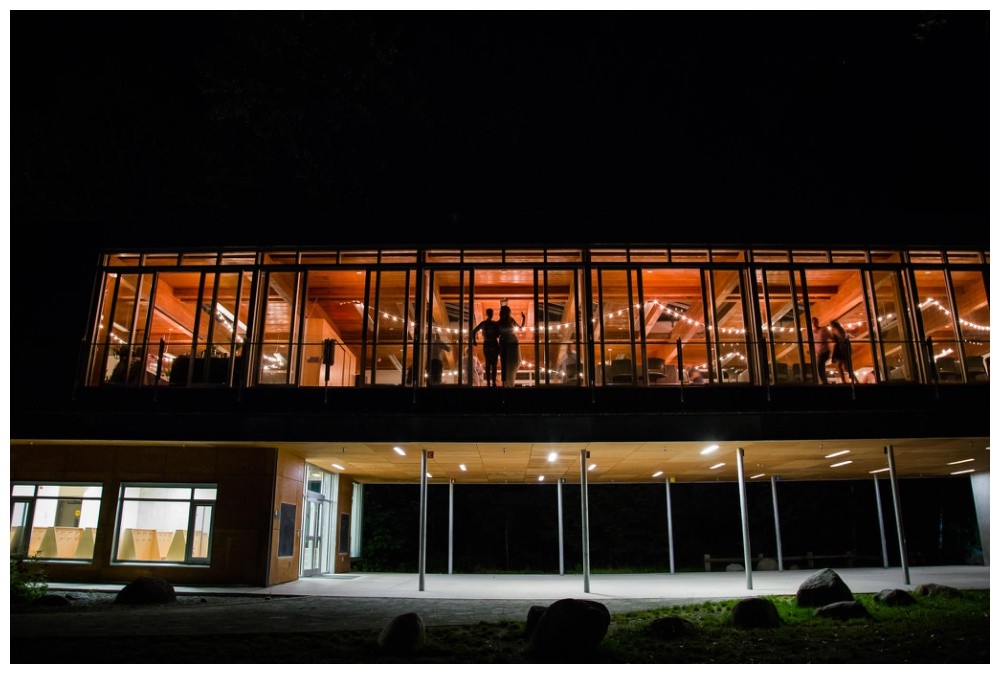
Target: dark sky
(700, 126)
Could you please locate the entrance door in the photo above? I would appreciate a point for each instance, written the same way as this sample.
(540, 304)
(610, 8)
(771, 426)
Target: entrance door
(312, 535)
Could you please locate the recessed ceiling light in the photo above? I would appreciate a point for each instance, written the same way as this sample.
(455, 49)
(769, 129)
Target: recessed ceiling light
(592, 466)
(718, 465)
(838, 465)
(658, 473)
(399, 450)
(955, 463)
(337, 466)
(709, 449)
(843, 451)
(429, 475)
(541, 478)
(552, 457)
(754, 477)
(967, 470)
(461, 467)
(879, 470)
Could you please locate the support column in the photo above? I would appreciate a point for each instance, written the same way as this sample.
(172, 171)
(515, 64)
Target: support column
(899, 515)
(422, 538)
(670, 526)
(777, 522)
(745, 517)
(451, 525)
(562, 563)
(981, 498)
(881, 524)
(585, 519)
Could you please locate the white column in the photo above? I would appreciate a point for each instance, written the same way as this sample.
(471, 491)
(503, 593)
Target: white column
(981, 497)
(422, 538)
(899, 515)
(670, 526)
(585, 519)
(562, 563)
(451, 525)
(746, 519)
(881, 525)
(777, 522)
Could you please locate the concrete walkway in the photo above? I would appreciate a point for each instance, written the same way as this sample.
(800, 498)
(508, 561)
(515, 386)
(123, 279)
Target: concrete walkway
(370, 600)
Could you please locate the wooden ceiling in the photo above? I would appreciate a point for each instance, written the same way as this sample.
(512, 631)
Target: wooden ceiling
(640, 462)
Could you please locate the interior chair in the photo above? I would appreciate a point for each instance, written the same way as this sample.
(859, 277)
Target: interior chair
(975, 368)
(779, 372)
(656, 367)
(621, 371)
(947, 369)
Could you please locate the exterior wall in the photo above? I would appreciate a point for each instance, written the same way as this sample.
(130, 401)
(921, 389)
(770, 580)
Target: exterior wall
(239, 533)
(289, 486)
(345, 499)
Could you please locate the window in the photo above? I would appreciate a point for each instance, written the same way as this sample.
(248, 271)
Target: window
(54, 521)
(165, 523)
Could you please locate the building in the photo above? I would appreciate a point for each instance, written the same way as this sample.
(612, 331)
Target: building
(225, 407)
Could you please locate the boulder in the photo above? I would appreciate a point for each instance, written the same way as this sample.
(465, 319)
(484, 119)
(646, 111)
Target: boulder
(767, 564)
(935, 590)
(843, 610)
(146, 590)
(755, 612)
(734, 567)
(531, 622)
(671, 627)
(571, 629)
(894, 598)
(822, 588)
(404, 635)
(52, 600)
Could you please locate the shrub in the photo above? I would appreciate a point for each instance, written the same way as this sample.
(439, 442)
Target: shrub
(27, 580)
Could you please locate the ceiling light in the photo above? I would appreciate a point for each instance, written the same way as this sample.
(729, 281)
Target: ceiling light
(552, 457)
(967, 470)
(337, 466)
(718, 465)
(429, 475)
(592, 466)
(709, 449)
(955, 463)
(838, 465)
(658, 473)
(541, 478)
(399, 450)
(754, 477)
(461, 467)
(843, 451)
(880, 470)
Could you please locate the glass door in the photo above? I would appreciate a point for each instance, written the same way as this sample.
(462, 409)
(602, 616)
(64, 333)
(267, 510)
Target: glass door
(312, 535)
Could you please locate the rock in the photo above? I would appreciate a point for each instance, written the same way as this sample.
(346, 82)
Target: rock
(571, 629)
(894, 598)
(146, 590)
(822, 588)
(734, 567)
(767, 564)
(671, 627)
(531, 622)
(935, 590)
(843, 610)
(755, 612)
(404, 635)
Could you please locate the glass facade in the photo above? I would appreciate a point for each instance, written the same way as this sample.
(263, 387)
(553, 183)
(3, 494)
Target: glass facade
(593, 317)
(54, 521)
(165, 523)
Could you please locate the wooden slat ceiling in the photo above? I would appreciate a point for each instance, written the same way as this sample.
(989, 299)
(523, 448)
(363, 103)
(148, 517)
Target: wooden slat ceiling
(638, 462)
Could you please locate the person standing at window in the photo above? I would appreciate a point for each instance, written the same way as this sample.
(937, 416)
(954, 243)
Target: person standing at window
(491, 346)
(842, 353)
(437, 350)
(821, 348)
(510, 348)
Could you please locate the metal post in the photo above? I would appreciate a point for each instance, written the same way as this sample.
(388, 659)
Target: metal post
(777, 522)
(559, 486)
(670, 526)
(881, 524)
(422, 538)
(746, 520)
(585, 519)
(899, 515)
(451, 525)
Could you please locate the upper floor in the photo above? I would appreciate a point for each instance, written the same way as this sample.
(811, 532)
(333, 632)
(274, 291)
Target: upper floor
(594, 317)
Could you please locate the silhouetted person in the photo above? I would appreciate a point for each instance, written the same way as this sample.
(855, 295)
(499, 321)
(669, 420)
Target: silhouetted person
(842, 353)
(436, 353)
(568, 363)
(510, 348)
(821, 347)
(491, 346)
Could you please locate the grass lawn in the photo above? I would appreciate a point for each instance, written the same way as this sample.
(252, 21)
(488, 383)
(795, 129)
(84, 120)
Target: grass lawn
(934, 630)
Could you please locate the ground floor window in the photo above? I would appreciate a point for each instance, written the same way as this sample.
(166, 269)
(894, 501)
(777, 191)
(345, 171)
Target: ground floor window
(165, 523)
(54, 521)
